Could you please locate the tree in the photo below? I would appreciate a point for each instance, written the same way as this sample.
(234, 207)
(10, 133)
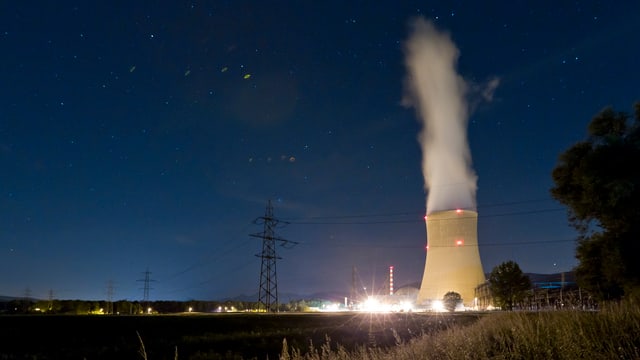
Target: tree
(598, 179)
(451, 300)
(508, 284)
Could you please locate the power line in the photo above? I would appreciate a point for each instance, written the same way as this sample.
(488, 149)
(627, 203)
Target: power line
(494, 244)
(213, 278)
(533, 242)
(510, 203)
(414, 219)
(411, 213)
(514, 243)
(421, 219)
(308, 220)
(212, 257)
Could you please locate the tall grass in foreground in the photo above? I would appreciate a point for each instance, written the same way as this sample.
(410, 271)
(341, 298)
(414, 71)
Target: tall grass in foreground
(612, 333)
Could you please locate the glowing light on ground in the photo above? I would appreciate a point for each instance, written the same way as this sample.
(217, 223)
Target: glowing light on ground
(331, 307)
(406, 306)
(373, 305)
(438, 306)
(376, 305)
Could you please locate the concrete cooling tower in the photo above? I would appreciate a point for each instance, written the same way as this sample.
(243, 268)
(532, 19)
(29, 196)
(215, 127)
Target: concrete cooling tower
(453, 258)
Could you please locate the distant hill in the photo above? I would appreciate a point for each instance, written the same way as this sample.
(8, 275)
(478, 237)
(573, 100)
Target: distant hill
(568, 277)
(242, 297)
(12, 298)
(536, 279)
(286, 297)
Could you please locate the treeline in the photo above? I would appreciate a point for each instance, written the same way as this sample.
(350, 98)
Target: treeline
(125, 307)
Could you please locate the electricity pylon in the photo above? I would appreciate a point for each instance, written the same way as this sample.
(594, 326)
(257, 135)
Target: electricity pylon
(147, 280)
(110, 291)
(268, 292)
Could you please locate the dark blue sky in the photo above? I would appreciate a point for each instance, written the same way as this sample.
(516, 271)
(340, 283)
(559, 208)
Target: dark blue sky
(141, 135)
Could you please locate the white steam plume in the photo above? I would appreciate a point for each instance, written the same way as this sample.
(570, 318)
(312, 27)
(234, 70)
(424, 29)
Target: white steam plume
(438, 94)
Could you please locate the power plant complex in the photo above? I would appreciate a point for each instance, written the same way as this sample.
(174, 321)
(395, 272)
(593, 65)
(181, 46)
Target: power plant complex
(452, 265)
(439, 95)
(453, 257)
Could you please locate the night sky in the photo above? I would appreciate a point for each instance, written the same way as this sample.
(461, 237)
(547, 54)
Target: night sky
(140, 136)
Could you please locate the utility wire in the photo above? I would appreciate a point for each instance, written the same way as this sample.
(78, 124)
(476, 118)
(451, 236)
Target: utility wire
(405, 213)
(311, 219)
(420, 219)
(494, 244)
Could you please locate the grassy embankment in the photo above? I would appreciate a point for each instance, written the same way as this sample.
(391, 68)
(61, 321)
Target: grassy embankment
(612, 333)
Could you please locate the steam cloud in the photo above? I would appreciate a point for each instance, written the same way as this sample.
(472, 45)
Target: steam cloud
(438, 94)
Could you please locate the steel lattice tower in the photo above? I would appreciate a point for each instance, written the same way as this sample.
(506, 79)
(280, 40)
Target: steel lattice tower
(268, 292)
(147, 280)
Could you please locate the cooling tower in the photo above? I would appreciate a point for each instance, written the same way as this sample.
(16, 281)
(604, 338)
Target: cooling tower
(453, 258)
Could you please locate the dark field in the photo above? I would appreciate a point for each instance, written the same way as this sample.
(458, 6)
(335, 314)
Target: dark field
(215, 336)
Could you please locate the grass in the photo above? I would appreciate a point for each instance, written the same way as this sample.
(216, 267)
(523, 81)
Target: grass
(302, 331)
(143, 351)
(612, 333)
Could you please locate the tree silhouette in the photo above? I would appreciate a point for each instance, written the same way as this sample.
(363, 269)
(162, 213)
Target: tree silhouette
(508, 284)
(598, 179)
(451, 300)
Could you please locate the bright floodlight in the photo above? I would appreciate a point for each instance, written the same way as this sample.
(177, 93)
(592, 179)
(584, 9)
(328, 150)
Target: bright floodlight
(437, 305)
(406, 306)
